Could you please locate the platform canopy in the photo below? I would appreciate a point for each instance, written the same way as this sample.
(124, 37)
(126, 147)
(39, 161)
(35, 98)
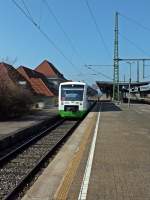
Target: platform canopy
(107, 87)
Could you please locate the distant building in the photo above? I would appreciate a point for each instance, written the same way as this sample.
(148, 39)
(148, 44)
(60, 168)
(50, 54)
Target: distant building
(53, 75)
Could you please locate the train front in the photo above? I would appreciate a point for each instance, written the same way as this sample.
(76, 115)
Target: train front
(72, 100)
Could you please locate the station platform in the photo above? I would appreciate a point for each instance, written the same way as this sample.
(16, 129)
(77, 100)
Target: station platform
(13, 131)
(12, 126)
(119, 167)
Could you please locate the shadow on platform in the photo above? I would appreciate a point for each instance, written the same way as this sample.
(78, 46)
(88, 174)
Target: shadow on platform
(109, 107)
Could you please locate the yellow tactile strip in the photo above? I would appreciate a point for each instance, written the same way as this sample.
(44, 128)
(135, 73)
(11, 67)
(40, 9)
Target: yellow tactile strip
(63, 189)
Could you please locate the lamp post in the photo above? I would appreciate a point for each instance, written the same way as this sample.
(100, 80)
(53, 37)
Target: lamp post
(129, 97)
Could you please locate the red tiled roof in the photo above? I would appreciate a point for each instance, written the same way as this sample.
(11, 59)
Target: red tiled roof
(37, 80)
(48, 69)
(10, 76)
(39, 87)
(4, 76)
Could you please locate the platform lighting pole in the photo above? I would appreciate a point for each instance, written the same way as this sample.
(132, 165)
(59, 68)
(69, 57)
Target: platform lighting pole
(143, 69)
(124, 78)
(138, 77)
(129, 98)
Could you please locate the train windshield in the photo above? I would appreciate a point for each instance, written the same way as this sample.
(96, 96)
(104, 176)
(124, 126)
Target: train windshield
(72, 92)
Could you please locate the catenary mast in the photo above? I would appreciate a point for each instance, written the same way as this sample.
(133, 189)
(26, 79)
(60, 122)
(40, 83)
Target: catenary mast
(116, 62)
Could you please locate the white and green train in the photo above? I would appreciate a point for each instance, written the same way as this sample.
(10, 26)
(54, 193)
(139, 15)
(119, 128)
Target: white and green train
(73, 99)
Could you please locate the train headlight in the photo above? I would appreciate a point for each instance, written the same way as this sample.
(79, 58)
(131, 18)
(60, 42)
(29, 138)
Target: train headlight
(81, 104)
(62, 103)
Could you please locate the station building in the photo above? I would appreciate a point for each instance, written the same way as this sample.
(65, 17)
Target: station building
(12, 79)
(44, 80)
(52, 74)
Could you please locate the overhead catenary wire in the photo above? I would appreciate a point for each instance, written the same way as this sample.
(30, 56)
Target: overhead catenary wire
(40, 13)
(139, 24)
(133, 43)
(99, 73)
(74, 49)
(101, 65)
(135, 22)
(26, 7)
(30, 18)
(98, 29)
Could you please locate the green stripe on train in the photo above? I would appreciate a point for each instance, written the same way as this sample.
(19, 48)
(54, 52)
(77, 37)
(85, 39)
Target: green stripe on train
(63, 113)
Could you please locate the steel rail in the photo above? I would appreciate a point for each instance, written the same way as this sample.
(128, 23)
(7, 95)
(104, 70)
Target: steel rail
(15, 151)
(20, 169)
(12, 141)
(11, 195)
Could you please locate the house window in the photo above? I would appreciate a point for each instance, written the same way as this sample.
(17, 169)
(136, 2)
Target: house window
(22, 82)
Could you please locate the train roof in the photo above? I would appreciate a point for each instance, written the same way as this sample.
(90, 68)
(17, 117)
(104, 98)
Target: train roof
(73, 83)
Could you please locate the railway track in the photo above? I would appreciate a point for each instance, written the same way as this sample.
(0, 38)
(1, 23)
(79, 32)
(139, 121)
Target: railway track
(22, 136)
(19, 165)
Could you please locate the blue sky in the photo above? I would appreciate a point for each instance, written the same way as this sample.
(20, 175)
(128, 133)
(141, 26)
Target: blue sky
(21, 40)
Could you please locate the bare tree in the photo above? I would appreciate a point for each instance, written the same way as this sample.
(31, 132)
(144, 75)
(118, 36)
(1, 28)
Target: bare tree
(14, 100)
(9, 60)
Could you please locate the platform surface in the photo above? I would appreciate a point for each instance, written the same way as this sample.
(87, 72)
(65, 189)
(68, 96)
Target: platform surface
(121, 165)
